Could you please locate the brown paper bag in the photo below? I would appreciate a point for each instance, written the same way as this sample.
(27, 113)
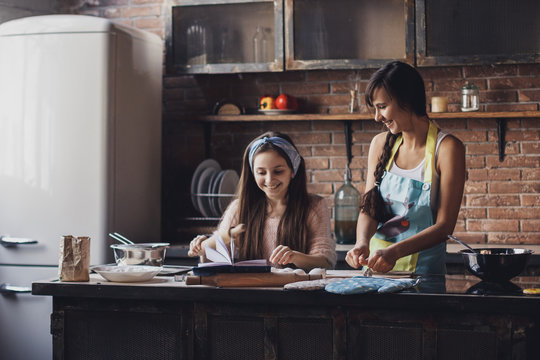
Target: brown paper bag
(74, 258)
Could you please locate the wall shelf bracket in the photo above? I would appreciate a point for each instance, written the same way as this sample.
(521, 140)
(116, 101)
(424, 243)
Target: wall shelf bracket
(501, 130)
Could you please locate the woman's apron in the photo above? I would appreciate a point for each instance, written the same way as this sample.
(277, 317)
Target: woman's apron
(410, 201)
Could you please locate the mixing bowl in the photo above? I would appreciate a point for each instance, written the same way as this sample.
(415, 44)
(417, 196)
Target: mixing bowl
(496, 264)
(152, 254)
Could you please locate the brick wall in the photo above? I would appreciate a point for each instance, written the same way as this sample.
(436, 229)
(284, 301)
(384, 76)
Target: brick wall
(502, 199)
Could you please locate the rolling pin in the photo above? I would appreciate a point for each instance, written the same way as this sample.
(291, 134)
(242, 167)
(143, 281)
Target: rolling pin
(269, 279)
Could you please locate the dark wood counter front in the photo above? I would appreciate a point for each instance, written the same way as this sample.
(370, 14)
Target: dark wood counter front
(165, 319)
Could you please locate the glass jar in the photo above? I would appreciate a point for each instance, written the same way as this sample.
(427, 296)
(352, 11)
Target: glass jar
(470, 97)
(347, 208)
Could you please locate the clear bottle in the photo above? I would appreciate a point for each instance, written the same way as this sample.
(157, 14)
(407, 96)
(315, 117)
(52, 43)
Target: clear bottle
(258, 45)
(197, 44)
(346, 210)
(470, 97)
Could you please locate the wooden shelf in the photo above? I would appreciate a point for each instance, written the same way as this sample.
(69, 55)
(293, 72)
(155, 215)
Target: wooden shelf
(363, 116)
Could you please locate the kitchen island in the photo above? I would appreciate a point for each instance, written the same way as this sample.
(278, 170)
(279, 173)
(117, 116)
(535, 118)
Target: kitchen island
(443, 317)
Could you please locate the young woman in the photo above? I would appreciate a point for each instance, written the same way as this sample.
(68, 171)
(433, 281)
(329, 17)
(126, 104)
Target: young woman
(415, 180)
(283, 223)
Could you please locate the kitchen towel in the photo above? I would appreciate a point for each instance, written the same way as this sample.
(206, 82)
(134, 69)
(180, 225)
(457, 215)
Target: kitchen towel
(363, 284)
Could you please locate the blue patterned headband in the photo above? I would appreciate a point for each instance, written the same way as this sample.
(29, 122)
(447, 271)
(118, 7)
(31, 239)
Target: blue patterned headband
(283, 144)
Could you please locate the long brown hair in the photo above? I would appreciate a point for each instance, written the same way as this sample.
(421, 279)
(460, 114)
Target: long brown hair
(403, 83)
(292, 229)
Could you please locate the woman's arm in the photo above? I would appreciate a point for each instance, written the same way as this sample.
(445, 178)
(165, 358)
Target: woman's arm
(366, 225)
(451, 167)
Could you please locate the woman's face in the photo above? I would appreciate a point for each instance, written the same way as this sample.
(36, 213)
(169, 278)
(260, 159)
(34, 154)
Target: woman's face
(388, 111)
(272, 174)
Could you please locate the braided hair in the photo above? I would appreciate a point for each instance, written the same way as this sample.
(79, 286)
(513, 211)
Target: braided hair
(403, 83)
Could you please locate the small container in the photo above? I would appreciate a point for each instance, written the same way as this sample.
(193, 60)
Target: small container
(151, 254)
(470, 97)
(347, 208)
(439, 104)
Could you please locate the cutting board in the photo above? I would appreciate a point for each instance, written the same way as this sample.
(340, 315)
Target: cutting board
(271, 279)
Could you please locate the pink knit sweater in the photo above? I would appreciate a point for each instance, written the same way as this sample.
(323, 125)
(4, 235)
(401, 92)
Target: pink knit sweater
(320, 239)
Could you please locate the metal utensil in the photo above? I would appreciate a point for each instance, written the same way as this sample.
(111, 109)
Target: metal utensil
(120, 238)
(462, 243)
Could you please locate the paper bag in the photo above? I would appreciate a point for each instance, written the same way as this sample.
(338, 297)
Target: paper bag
(74, 258)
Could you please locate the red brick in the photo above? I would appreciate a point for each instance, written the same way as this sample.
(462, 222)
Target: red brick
(531, 174)
(493, 225)
(470, 238)
(489, 70)
(141, 11)
(311, 138)
(515, 161)
(434, 73)
(297, 89)
(472, 213)
(139, 2)
(529, 95)
(530, 148)
(531, 123)
(529, 69)
(481, 148)
(475, 162)
(356, 163)
(514, 83)
(504, 174)
(530, 200)
(149, 23)
(531, 225)
(514, 187)
(112, 13)
(327, 176)
(513, 213)
(511, 107)
(521, 135)
(476, 200)
(320, 189)
(317, 163)
(516, 238)
(472, 187)
(470, 135)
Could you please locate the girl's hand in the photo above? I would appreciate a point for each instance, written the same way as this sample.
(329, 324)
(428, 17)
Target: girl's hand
(282, 255)
(357, 256)
(195, 246)
(383, 260)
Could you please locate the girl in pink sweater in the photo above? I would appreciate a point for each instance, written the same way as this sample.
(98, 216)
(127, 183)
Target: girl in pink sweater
(284, 223)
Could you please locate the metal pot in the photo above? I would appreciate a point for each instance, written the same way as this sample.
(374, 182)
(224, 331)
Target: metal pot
(152, 254)
(496, 264)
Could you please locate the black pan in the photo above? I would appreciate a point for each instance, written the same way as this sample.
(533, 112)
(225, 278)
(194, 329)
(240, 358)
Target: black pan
(496, 264)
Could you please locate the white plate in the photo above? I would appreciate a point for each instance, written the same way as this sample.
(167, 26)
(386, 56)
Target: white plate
(196, 177)
(228, 185)
(277, 111)
(214, 201)
(128, 273)
(202, 188)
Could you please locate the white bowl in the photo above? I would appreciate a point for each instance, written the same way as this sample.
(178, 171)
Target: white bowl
(128, 273)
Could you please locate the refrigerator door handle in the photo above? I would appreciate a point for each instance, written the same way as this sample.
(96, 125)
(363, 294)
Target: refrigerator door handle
(10, 290)
(8, 241)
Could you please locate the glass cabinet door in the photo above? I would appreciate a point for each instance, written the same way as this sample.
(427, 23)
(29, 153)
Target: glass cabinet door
(457, 32)
(334, 34)
(226, 36)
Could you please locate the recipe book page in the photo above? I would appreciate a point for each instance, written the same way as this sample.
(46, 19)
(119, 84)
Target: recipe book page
(223, 255)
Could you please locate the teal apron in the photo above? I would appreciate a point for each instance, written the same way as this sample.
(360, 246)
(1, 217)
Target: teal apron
(410, 202)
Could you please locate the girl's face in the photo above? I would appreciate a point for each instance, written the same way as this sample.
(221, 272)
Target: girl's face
(272, 174)
(388, 111)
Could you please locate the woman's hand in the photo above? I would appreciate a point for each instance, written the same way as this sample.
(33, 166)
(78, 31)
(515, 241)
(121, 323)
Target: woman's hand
(195, 246)
(383, 260)
(357, 256)
(282, 255)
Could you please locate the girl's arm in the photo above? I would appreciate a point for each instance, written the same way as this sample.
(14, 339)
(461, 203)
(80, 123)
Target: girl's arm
(451, 167)
(321, 244)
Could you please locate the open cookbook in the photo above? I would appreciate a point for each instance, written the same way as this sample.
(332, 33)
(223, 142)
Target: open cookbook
(222, 261)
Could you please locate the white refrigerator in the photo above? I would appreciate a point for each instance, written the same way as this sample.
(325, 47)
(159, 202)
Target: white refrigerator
(80, 154)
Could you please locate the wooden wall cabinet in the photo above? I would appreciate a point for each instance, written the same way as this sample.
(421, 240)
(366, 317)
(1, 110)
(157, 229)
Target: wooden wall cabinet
(457, 32)
(218, 36)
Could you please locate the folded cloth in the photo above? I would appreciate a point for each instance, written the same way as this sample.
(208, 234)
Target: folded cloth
(318, 284)
(363, 284)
